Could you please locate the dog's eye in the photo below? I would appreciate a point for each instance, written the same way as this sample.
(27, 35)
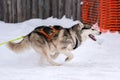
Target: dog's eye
(93, 29)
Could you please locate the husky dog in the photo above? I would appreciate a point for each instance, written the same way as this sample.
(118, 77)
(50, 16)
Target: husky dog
(50, 41)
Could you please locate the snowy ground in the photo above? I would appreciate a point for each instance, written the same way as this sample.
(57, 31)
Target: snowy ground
(92, 61)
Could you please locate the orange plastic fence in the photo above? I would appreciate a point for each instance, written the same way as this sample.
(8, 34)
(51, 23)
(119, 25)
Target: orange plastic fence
(90, 11)
(110, 15)
(106, 12)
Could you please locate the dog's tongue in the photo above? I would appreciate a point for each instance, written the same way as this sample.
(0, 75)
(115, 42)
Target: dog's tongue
(92, 37)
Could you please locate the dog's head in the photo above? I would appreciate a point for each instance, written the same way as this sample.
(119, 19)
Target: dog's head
(89, 32)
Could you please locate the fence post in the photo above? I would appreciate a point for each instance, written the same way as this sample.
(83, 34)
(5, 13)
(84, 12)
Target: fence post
(61, 8)
(34, 8)
(9, 3)
(28, 9)
(40, 8)
(14, 11)
(19, 10)
(68, 8)
(47, 8)
(78, 9)
(74, 11)
(5, 11)
(24, 9)
(1, 10)
(54, 8)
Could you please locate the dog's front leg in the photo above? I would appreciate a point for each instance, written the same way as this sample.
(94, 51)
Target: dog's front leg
(69, 56)
(55, 55)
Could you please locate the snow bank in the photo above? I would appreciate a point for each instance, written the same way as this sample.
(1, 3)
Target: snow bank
(92, 61)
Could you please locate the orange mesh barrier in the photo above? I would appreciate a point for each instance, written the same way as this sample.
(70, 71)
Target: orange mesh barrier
(106, 12)
(110, 15)
(90, 11)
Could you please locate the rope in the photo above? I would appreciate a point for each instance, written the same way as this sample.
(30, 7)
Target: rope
(21, 37)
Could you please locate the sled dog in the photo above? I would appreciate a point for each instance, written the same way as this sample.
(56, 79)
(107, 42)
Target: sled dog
(50, 41)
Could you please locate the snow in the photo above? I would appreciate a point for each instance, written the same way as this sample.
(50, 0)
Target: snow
(92, 60)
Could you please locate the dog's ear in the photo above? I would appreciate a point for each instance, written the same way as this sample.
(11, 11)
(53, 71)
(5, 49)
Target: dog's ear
(77, 27)
(87, 26)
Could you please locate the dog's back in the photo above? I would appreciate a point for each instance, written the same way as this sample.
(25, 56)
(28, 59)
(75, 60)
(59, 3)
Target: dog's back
(44, 32)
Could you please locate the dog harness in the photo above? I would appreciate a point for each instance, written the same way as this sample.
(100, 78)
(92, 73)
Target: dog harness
(76, 44)
(50, 32)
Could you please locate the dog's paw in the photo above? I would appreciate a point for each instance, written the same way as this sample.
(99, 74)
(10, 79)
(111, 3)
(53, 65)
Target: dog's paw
(56, 64)
(68, 59)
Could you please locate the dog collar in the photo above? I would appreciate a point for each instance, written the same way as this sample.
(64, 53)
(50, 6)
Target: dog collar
(76, 44)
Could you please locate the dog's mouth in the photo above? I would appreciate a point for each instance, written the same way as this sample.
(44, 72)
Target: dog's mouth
(92, 37)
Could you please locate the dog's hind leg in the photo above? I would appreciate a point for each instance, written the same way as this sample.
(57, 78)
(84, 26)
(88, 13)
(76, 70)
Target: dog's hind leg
(49, 58)
(45, 56)
(69, 56)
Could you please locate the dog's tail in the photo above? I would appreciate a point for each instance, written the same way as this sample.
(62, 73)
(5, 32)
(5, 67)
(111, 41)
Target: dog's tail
(20, 46)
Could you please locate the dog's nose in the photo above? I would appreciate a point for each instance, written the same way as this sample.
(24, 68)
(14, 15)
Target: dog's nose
(100, 32)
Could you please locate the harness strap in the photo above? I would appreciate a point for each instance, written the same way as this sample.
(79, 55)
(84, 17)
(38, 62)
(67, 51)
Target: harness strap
(21, 37)
(49, 36)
